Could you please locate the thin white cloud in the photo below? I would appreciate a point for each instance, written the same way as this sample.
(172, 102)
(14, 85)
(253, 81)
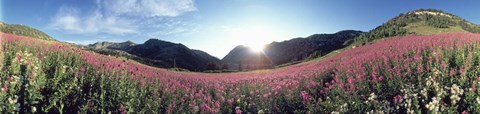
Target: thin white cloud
(149, 8)
(83, 42)
(92, 41)
(174, 31)
(117, 17)
(69, 19)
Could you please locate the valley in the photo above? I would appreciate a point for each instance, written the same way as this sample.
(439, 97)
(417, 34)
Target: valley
(423, 61)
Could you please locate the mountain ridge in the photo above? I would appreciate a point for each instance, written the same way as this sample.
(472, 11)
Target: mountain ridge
(296, 49)
(420, 22)
(167, 54)
(159, 53)
(113, 45)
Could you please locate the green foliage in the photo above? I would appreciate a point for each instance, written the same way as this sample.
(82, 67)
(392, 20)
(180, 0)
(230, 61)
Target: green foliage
(440, 21)
(315, 55)
(146, 61)
(382, 32)
(24, 31)
(398, 25)
(468, 26)
(55, 83)
(212, 66)
(62, 82)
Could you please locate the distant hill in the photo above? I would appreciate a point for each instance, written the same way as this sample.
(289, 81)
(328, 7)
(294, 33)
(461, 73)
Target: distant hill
(243, 58)
(159, 53)
(420, 22)
(204, 56)
(165, 54)
(23, 31)
(297, 49)
(121, 50)
(112, 45)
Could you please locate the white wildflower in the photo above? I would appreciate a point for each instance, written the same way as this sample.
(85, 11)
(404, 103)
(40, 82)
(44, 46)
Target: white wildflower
(456, 89)
(370, 112)
(439, 91)
(344, 107)
(23, 61)
(436, 72)
(261, 112)
(410, 111)
(238, 100)
(13, 100)
(478, 100)
(456, 93)
(372, 97)
(429, 82)
(454, 99)
(64, 68)
(408, 103)
(35, 67)
(424, 92)
(434, 105)
(15, 80)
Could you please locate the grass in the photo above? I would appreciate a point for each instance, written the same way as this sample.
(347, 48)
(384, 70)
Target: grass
(421, 28)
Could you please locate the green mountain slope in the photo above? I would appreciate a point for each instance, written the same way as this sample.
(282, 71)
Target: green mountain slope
(23, 31)
(421, 22)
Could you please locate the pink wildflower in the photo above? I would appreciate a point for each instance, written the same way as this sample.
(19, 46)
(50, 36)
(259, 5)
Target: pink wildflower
(380, 78)
(397, 99)
(238, 111)
(122, 109)
(230, 101)
(305, 97)
(351, 80)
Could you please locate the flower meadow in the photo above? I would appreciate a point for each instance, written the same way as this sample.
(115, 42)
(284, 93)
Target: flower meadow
(409, 74)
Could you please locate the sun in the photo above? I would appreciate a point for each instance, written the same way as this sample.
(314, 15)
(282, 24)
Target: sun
(257, 48)
(254, 38)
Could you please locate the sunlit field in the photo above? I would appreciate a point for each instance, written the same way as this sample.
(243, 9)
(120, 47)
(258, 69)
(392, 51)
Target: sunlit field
(239, 57)
(398, 75)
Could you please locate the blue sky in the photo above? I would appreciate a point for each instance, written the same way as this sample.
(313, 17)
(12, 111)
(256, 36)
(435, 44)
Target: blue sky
(214, 26)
